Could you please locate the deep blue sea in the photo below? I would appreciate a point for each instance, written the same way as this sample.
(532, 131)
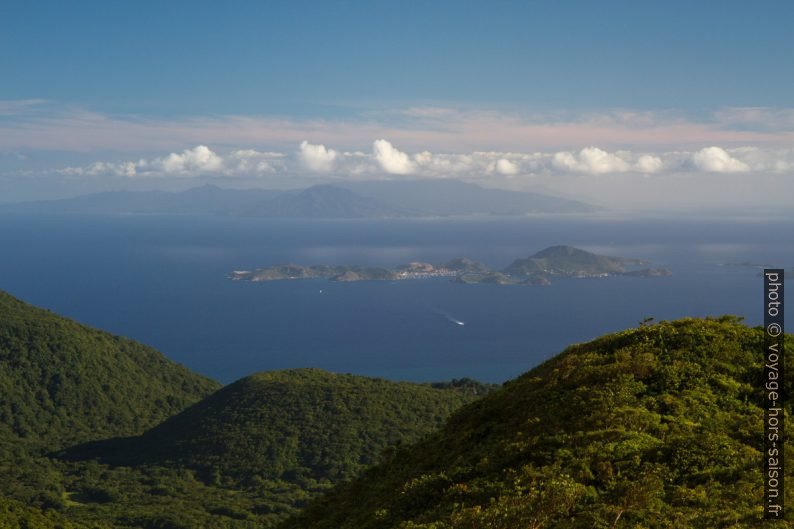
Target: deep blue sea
(162, 280)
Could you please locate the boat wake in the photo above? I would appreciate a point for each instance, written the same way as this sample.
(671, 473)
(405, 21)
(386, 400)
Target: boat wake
(449, 317)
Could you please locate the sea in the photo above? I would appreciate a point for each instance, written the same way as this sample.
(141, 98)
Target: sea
(163, 280)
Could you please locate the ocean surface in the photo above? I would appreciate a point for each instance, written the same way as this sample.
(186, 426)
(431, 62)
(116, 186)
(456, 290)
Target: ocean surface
(162, 280)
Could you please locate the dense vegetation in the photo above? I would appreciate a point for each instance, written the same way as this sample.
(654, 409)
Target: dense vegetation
(303, 426)
(16, 515)
(62, 382)
(246, 456)
(654, 427)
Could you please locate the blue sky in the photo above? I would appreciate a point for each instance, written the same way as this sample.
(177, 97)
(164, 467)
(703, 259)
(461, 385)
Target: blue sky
(315, 58)
(119, 82)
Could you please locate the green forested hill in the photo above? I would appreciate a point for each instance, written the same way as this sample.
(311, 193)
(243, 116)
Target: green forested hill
(286, 435)
(294, 425)
(654, 427)
(62, 382)
(300, 425)
(244, 457)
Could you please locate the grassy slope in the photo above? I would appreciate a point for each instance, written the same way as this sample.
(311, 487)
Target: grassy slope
(653, 427)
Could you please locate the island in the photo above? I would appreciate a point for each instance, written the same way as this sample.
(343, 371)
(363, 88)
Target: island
(535, 270)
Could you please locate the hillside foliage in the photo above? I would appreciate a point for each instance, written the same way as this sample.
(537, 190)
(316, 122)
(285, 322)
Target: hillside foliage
(300, 426)
(654, 427)
(62, 382)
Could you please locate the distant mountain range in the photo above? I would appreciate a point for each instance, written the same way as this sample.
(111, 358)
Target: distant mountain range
(419, 198)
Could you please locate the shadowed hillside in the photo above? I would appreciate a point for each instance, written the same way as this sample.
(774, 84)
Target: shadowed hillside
(301, 424)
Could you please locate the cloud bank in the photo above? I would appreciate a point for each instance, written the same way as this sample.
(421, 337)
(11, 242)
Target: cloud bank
(738, 155)
(386, 161)
(198, 161)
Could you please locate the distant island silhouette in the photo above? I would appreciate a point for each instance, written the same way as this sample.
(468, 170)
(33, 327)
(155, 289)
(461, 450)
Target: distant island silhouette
(562, 261)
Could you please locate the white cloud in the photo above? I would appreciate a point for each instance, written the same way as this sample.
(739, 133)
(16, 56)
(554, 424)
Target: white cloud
(198, 160)
(506, 167)
(391, 160)
(590, 160)
(250, 161)
(423, 158)
(597, 161)
(764, 159)
(317, 158)
(647, 163)
(717, 160)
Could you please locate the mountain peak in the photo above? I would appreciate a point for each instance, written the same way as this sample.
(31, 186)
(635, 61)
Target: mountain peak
(561, 250)
(567, 260)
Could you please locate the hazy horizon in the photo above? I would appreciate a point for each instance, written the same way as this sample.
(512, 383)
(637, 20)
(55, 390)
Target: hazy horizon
(715, 207)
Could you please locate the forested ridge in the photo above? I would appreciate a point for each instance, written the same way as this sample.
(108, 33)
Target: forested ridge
(659, 426)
